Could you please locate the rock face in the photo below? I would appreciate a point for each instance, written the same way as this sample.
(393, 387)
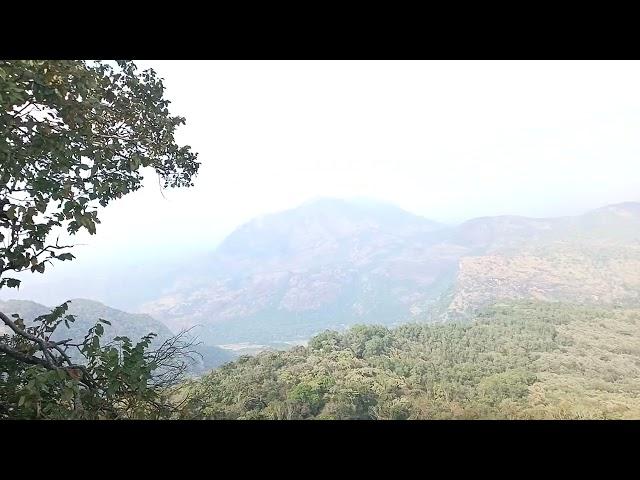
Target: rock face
(332, 263)
(562, 273)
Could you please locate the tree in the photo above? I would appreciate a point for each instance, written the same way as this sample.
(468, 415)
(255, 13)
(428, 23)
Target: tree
(75, 135)
(112, 381)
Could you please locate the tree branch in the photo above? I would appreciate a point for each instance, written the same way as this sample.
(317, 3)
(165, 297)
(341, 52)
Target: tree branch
(49, 362)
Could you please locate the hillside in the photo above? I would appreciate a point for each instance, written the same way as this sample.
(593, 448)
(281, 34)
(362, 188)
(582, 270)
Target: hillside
(521, 360)
(334, 263)
(328, 263)
(132, 325)
(591, 259)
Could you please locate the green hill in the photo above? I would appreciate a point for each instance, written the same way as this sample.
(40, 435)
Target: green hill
(517, 360)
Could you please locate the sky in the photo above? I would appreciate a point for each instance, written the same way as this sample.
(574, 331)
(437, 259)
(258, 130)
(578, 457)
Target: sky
(447, 140)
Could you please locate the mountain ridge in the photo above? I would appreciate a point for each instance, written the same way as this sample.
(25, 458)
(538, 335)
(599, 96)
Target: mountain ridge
(328, 264)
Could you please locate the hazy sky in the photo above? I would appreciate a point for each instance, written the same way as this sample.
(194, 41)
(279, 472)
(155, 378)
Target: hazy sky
(448, 140)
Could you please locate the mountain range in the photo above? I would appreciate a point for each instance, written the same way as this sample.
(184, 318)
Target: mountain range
(332, 263)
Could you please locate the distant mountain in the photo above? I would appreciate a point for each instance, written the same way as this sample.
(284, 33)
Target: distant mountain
(132, 325)
(332, 263)
(317, 233)
(589, 259)
(326, 263)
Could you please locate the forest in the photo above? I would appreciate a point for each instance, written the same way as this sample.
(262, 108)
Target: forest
(525, 360)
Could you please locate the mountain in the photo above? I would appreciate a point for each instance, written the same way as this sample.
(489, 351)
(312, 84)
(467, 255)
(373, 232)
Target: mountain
(132, 325)
(327, 263)
(333, 263)
(589, 259)
(316, 234)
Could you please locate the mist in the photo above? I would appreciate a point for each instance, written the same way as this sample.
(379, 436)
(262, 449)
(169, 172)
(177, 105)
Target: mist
(445, 140)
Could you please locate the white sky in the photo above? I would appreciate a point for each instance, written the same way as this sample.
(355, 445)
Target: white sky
(449, 140)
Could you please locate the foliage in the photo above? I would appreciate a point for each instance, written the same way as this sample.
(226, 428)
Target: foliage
(518, 360)
(76, 135)
(115, 380)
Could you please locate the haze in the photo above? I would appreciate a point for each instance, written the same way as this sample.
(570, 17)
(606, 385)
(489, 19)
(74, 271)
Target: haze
(446, 140)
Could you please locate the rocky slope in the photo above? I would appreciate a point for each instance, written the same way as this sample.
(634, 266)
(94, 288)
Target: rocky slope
(333, 263)
(590, 259)
(328, 263)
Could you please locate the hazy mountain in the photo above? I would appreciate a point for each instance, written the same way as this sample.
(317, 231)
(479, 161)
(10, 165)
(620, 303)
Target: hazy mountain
(132, 325)
(332, 263)
(326, 263)
(591, 259)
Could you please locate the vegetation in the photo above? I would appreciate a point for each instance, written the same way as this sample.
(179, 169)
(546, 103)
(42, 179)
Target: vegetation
(75, 136)
(522, 360)
(121, 324)
(43, 379)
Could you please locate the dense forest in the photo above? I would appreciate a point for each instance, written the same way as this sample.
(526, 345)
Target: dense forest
(525, 360)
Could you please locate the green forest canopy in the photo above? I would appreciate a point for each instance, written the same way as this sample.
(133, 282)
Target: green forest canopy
(519, 361)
